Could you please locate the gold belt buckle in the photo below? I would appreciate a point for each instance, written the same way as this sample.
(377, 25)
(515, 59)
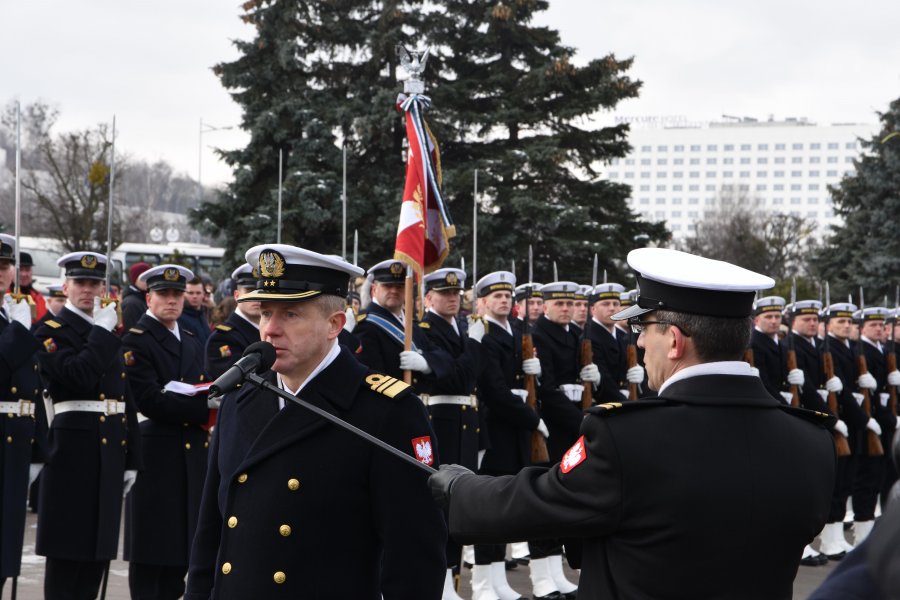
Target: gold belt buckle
(26, 408)
(111, 407)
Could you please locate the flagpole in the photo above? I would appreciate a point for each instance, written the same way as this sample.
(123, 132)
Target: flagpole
(344, 201)
(475, 229)
(408, 320)
(280, 162)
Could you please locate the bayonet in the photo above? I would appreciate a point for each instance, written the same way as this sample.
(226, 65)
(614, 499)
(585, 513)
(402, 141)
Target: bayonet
(555, 272)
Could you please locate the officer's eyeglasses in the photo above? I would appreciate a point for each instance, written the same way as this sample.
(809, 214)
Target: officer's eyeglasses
(637, 327)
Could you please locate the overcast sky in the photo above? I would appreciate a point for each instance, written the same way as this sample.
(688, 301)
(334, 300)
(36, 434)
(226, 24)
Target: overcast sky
(149, 62)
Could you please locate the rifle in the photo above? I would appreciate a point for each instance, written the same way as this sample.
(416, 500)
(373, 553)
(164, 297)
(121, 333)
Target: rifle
(107, 298)
(791, 353)
(539, 453)
(587, 350)
(873, 442)
(17, 294)
(632, 361)
(840, 442)
(748, 357)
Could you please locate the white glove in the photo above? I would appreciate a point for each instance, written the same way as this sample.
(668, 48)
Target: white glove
(834, 385)
(788, 397)
(796, 377)
(213, 401)
(894, 378)
(859, 398)
(34, 469)
(105, 317)
(129, 478)
(841, 428)
(350, 325)
(897, 426)
(476, 329)
(531, 366)
(873, 425)
(867, 381)
(542, 427)
(590, 374)
(636, 375)
(884, 398)
(413, 361)
(18, 311)
(754, 371)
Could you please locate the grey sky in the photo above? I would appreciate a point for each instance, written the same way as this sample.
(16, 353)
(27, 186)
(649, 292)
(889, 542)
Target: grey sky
(149, 62)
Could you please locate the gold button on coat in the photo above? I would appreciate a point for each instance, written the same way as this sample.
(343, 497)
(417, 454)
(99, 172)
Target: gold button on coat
(226, 568)
(293, 484)
(102, 419)
(285, 530)
(103, 441)
(187, 446)
(232, 522)
(279, 577)
(103, 396)
(242, 478)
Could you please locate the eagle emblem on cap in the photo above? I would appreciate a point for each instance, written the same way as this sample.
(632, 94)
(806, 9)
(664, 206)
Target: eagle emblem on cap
(170, 274)
(452, 279)
(271, 264)
(89, 261)
(396, 268)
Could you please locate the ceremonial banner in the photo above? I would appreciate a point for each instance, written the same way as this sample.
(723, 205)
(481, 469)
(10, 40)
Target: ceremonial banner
(425, 227)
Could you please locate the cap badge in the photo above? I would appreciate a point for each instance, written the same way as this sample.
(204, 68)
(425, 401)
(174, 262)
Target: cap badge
(396, 269)
(271, 264)
(170, 274)
(89, 262)
(452, 279)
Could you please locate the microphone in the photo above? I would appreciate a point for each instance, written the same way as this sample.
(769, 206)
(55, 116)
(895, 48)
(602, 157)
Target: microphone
(258, 357)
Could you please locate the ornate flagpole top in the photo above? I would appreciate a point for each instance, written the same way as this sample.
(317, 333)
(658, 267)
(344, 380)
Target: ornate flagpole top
(413, 62)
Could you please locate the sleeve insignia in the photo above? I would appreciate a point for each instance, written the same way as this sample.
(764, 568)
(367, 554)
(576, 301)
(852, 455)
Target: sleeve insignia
(53, 324)
(386, 385)
(575, 455)
(422, 448)
(425, 325)
(50, 345)
(223, 328)
(136, 330)
(129, 358)
(225, 350)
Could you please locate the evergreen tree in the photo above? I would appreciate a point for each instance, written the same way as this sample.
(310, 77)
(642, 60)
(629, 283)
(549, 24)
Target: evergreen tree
(865, 249)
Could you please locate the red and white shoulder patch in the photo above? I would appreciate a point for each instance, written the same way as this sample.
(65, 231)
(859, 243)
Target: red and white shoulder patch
(423, 451)
(50, 345)
(573, 457)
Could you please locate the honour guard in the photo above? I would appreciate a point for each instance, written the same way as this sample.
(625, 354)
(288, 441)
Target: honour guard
(657, 488)
(56, 300)
(580, 308)
(240, 329)
(94, 446)
(609, 344)
(768, 353)
(530, 302)
(23, 423)
(451, 400)
(293, 506)
(161, 510)
(380, 331)
(808, 376)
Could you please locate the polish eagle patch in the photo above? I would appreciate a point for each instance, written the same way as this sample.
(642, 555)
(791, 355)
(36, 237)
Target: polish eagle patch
(573, 457)
(422, 448)
(225, 351)
(49, 345)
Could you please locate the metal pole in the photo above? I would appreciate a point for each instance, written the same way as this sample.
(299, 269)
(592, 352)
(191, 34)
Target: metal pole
(475, 230)
(280, 156)
(109, 206)
(355, 247)
(200, 162)
(344, 199)
(18, 197)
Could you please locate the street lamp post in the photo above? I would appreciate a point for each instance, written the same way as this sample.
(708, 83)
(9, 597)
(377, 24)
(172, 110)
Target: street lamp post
(204, 128)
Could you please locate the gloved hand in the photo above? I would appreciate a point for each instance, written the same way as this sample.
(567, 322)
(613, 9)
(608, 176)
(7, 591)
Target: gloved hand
(636, 375)
(542, 427)
(590, 374)
(413, 361)
(213, 401)
(476, 329)
(873, 425)
(788, 397)
(884, 398)
(897, 427)
(867, 381)
(754, 371)
(859, 398)
(531, 366)
(105, 317)
(841, 428)
(19, 311)
(442, 482)
(796, 377)
(893, 378)
(350, 325)
(834, 385)
(34, 469)
(129, 479)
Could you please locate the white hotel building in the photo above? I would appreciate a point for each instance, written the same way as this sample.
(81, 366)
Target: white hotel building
(680, 171)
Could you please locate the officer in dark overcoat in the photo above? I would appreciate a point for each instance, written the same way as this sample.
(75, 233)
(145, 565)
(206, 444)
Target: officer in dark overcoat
(240, 329)
(161, 510)
(609, 344)
(23, 422)
(94, 443)
(294, 506)
(657, 488)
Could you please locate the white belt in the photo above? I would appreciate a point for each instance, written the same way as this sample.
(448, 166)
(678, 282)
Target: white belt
(523, 394)
(573, 391)
(446, 399)
(141, 418)
(22, 408)
(107, 407)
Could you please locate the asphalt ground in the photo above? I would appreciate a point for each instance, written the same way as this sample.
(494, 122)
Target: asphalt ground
(30, 584)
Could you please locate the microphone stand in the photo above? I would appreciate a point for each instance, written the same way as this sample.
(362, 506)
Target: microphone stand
(262, 383)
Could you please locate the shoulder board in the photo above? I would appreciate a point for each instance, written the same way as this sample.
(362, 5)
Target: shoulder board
(53, 324)
(609, 408)
(361, 317)
(387, 385)
(823, 419)
(425, 325)
(136, 330)
(221, 327)
(187, 331)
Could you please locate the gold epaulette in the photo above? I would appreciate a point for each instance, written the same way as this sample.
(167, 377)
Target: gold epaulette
(136, 330)
(386, 385)
(221, 327)
(629, 405)
(425, 325)
(53, 324)
(361, 317)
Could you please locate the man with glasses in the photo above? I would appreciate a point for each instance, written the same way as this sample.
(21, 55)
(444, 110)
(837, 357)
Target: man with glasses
(661, 486)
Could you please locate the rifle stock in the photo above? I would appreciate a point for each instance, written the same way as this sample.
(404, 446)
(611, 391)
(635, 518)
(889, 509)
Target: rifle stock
(587, 357)
(841, 446)
(795, 389)
(748, 357)
(873, 441)
(539, 453)
(631, 354)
